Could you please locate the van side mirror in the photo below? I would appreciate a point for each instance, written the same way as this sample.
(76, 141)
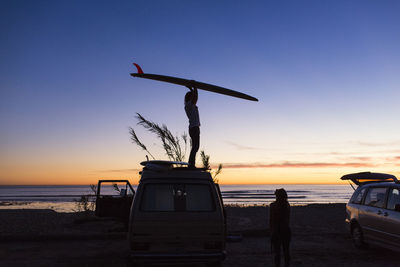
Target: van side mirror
(397, 207)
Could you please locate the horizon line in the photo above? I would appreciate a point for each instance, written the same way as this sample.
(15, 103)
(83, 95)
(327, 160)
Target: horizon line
(311, 183)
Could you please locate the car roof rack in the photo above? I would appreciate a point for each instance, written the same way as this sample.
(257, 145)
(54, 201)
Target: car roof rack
(370, 177)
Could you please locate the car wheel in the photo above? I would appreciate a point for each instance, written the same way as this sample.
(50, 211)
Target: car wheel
(357, 236)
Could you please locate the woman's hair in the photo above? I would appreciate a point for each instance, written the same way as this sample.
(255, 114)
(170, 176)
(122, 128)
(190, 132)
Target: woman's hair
(188, 96)
(281, 195)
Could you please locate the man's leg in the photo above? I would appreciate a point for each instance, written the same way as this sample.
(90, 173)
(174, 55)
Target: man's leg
(194, 133)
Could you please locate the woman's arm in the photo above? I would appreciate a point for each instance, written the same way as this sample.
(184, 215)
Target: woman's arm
(195, 94)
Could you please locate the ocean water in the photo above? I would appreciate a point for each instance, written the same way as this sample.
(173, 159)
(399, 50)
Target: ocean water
(63, 198)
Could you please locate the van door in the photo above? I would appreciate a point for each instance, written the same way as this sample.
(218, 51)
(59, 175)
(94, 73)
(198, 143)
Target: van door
(114, 198)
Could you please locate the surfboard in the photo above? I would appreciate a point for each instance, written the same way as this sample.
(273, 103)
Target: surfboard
(191, 83)
(162, 162)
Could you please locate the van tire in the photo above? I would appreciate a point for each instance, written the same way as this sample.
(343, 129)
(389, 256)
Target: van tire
(357, 236)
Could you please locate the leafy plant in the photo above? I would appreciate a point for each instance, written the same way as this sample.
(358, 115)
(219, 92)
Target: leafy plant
(93, 188)
(206, 165)
(175, 146)
(205, 159)
(172, 144)
(116, 188)
(136, 141)
(218, 171)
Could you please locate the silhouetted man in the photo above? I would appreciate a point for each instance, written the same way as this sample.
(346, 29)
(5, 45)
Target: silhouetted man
(279, 215)
(192, 113)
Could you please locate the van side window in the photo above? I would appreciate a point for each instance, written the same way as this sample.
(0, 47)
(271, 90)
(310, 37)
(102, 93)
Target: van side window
(357, 197)
(376, 197)
(394, 198)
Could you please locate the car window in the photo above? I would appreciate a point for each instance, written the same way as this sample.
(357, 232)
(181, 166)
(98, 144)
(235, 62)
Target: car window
(177, 197)
(394, 198)
(358, 196)
(376, 197)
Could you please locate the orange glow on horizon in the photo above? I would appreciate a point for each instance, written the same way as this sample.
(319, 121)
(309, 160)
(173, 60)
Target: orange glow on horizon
(227, 177)
(73, 174)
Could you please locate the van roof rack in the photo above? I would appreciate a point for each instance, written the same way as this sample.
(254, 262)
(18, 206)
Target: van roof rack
(165, 165)
(370, 177)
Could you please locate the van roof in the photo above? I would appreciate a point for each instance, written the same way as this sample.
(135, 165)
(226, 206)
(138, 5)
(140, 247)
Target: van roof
(156, 169)
(176, 173)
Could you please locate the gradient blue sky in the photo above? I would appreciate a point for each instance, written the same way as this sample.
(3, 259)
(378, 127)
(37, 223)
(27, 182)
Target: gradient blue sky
(326, 74)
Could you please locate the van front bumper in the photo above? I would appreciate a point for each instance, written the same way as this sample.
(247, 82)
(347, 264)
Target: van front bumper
(178, 257)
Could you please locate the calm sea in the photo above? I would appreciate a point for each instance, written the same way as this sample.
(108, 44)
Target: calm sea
(63, 198)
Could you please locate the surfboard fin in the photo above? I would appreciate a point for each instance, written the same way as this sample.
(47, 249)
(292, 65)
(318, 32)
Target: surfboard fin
(139, 69)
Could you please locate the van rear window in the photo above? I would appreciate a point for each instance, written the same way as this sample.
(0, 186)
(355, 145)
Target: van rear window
(177, 197)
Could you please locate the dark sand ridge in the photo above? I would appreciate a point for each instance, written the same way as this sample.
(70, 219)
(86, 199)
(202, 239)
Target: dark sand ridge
(48, 238)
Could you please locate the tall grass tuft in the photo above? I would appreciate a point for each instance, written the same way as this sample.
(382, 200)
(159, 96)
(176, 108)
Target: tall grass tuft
(172, 144)
(206, 165)
(135, 140)
(86, 203)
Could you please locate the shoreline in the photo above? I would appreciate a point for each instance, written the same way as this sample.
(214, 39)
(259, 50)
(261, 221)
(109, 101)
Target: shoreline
(72, 206)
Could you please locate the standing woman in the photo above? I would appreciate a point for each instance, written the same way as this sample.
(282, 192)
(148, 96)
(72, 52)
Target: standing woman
(279, 215)
(192, 113)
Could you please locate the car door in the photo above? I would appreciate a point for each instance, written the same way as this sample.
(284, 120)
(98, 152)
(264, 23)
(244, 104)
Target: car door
(390, 219)
(114, 198)
(372, 212)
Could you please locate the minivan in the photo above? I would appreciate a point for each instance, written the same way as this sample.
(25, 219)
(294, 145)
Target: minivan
(373, 212)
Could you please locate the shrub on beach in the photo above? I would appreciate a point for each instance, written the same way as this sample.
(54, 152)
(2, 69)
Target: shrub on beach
(86, 202)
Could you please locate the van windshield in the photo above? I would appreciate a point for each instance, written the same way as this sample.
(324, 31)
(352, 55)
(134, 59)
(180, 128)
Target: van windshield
(177, 197)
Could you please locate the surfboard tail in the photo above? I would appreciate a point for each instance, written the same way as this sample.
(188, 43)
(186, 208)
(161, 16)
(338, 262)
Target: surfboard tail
(139, 69)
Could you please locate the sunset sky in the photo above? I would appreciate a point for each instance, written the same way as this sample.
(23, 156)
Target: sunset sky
(327, 74)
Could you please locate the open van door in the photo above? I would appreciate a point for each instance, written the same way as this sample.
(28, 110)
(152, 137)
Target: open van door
(114, 198)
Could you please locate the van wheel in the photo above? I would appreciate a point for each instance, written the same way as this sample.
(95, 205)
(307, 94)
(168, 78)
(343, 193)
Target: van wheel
(357, 236)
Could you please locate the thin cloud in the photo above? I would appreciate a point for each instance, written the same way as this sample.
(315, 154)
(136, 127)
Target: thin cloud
(377, 144)
(288, 164)
(393, 158)
(241, 147)
(335, 153)
(361, 158)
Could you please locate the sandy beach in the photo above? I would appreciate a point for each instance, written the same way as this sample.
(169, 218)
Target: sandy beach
(48, 238)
